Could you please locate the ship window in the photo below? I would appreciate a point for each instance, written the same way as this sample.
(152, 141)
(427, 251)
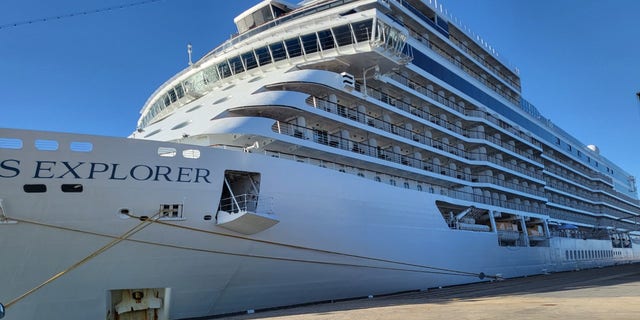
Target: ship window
(419, 187)
(326, 39)
(236, 65)
(81, 146)
(343, 35)
(34, 188)
(263, 56)
(362, 30)
(406, 185)
(179, 91)
(170, 211)
(191, 153)
(263, 15)
(392, 182)
(172, 95)
(377, 179)
(46, 145)
(166, 152)
(10, 143)
(278, 12)
(166, 100)
(277, 51)
(74, 188)
(249, 60)
(223, 69)
(293, 47)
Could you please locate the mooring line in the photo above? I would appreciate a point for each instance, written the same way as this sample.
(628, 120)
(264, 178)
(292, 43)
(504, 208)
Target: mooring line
(143, 224)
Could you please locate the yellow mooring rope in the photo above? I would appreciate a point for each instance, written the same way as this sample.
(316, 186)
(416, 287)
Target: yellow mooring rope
(143, 224)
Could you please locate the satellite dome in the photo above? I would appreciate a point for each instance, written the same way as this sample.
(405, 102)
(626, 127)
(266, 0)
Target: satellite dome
(594, 148)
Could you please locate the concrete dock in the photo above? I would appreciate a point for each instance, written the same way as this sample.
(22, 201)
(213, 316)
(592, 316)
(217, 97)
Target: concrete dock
(606, 293)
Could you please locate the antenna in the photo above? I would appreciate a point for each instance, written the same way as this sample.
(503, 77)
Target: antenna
(189, 52)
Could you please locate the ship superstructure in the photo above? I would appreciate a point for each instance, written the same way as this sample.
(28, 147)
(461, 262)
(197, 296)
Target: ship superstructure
(336, 148)
(411, 89)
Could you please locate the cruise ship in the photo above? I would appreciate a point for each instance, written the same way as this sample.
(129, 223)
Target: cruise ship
(330, 149)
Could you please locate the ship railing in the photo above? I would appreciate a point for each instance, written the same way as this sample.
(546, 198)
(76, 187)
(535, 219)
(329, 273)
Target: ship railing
(389, 155)
(421, 138)
(246, 203)
(597, 192)
(572, 166)
(464, 67)
(476, 196)
(477, 57)
(461, 110)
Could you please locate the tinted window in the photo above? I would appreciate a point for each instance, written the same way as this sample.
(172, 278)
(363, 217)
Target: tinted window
(326, 39)
(343, 35)
(293, 47)
(277, 50)
(263, 56)
(310, 43)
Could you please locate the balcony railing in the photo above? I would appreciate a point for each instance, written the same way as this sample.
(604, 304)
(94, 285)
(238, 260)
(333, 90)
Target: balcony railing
(403, 159)
(425, 140)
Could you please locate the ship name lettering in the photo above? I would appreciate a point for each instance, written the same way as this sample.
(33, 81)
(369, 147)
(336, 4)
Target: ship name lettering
(46, 169)
(9, 171)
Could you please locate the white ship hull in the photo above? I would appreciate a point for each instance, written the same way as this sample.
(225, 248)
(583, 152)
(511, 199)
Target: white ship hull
(338, 235)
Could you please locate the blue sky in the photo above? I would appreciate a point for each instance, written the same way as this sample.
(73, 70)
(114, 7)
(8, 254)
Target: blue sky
(579, 61)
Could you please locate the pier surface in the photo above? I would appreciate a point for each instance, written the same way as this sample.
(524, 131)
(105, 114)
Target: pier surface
(606, 293)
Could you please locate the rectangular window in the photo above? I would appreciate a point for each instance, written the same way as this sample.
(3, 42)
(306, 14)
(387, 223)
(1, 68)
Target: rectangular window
(263, 56)
(278, 52)
(236, 65)
(325, 38)
(249, 60)
(172, 96)
(310, 42)
(223, 69)
(293, 47)
(343, 35)
(179, 91)
(34, 188)
(362, 30)
(73, 188)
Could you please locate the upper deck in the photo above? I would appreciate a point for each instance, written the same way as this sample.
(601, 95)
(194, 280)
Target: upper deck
(259, 23)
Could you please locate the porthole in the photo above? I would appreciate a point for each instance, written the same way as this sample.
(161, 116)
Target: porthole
(255, 79)
(228, 87)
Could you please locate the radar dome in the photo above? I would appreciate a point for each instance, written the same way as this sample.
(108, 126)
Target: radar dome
(593, 148)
